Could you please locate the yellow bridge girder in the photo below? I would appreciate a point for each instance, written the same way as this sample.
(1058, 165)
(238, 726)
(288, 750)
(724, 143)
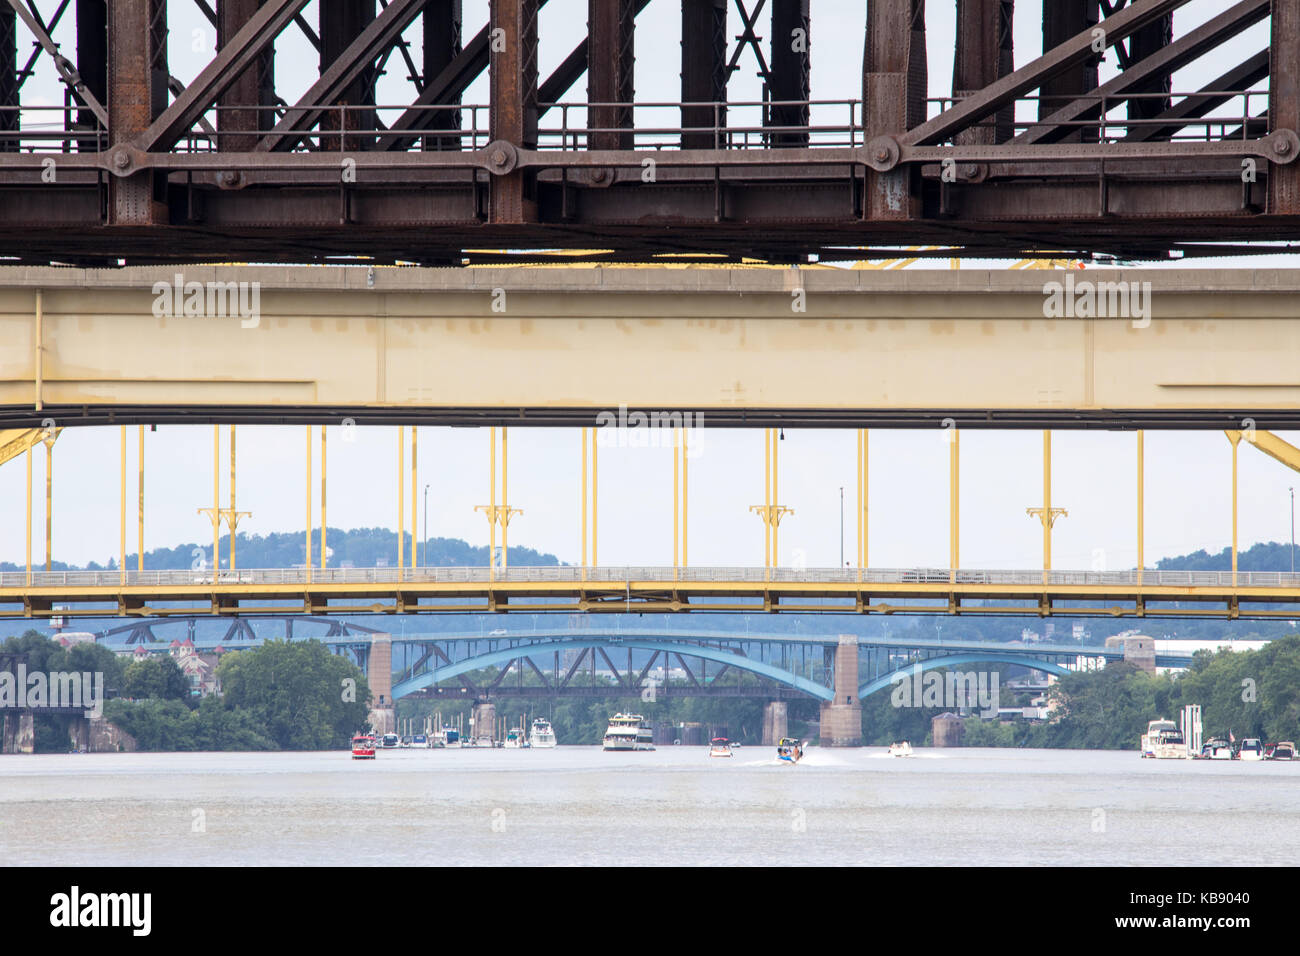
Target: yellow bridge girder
(839, 346)
(15, 441)
(1270, 445)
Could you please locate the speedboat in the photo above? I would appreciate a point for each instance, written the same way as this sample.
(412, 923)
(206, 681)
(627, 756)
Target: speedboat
(541, 734)
(389, 742)
(1252, 748)
(1283, 750)
(900, 749)
(789, 750)
(363, 747)
(719, 747)
(515, 739)
(629, 732)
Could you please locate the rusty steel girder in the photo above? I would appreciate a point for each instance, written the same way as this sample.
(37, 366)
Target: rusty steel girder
(150, 169)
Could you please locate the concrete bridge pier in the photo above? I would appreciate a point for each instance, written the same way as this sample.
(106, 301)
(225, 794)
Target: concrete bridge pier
(79, 734)
(841, 720)
(484, 715)
(19, 734)
(379, 675)
(776, 722)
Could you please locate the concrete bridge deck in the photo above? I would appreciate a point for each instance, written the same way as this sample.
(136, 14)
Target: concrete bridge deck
(747, 347)
(653, 589)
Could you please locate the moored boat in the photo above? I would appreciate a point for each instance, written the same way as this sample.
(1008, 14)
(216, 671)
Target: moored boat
(720, 747)
(1216, 748)
(1163, 741)
(789, 750)
(389, 742)
(1252, 748)
(515, 739)
(363, 747)
(542, 734)
(1283, 750)
(629, 732)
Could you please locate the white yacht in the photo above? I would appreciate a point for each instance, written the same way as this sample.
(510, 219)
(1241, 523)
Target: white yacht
(541, 734)
(629, 732)
(1163, 741)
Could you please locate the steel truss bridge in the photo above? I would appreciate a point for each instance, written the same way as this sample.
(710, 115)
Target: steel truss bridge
(555, 660)
(227, 165)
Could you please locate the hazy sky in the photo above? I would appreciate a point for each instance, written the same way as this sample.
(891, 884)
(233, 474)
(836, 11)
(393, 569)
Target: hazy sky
(1188, 474)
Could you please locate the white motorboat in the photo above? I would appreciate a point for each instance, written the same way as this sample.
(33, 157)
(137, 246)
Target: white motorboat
(1164, 741)
(1252, 748)
(542, 734)
(900, 749)
(629, 732)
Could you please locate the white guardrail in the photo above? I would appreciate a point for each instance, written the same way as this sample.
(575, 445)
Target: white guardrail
(622, 575)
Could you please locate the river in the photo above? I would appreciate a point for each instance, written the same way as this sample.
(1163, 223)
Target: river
(578, 805)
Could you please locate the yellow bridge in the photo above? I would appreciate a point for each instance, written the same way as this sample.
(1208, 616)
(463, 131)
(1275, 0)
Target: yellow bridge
(760, 347)
(737, 590)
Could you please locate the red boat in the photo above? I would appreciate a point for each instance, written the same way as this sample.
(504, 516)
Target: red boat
(363, 747)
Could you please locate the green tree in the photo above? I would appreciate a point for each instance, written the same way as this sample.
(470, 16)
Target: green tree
(301, 696)
(155, 678)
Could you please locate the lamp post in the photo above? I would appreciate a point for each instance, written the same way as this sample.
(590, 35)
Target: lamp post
(841, 526)
(1292, 490)
(424, 538)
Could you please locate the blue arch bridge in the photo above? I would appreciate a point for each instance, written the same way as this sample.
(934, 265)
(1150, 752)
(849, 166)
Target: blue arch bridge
(839, 671)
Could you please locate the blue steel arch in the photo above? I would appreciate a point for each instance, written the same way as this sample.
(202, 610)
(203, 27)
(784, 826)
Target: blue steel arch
(1023, 660)
(448, 671)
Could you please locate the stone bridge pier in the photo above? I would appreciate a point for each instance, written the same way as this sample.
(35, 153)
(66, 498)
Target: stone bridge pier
(841, 720)
(776, 722)
(379, 675)
(19, 734)
(484, 714)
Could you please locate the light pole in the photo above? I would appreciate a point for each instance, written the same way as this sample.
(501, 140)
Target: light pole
(424, 538)
(841, 526)
(1292, 490)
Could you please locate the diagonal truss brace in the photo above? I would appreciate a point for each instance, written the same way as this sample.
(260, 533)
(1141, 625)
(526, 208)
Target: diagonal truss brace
(66, 68)
(1031, 76)
(373, 41)
(1171, 57)
(1195, 106)
(245, 46)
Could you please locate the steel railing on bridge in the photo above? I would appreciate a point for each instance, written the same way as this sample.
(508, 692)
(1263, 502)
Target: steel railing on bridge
(1127, 580)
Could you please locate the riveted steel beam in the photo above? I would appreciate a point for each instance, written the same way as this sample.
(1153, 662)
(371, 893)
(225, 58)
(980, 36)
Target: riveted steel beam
(611, 54)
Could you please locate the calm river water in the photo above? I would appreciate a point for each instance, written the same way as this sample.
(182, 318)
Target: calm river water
(578, 805)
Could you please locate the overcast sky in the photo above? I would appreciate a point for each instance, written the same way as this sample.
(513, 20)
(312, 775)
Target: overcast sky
(1188, 474)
